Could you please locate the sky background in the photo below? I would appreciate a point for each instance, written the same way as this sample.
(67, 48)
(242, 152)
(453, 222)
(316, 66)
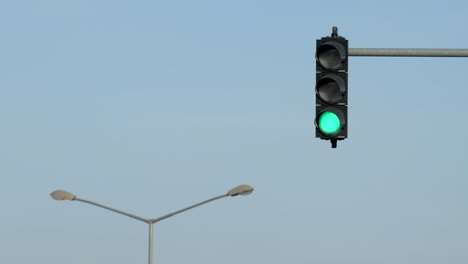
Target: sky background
(151, 106)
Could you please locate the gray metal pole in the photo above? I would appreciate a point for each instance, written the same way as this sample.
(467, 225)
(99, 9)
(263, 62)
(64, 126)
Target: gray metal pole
(155, 220)
(113, 210)
(376, 52)
(150, 249)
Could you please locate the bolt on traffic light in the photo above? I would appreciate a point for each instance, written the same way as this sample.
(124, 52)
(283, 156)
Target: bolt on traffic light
(331, 88)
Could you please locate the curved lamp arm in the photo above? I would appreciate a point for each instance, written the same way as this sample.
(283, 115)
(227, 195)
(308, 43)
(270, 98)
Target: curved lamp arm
(154, 220)
(243, 189)
(64, 195)
(113, 210)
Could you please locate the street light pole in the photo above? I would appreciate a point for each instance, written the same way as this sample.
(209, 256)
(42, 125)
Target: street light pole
(64, 195)
(150, 244)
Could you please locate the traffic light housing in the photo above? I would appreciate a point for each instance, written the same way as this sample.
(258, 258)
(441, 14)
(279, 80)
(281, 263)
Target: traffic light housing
(331, 88)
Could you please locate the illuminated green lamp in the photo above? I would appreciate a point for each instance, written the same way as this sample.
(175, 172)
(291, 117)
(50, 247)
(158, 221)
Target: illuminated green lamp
(329, 123)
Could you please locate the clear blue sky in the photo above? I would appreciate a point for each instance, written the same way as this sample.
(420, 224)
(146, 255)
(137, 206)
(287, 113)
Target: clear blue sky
(151, 106)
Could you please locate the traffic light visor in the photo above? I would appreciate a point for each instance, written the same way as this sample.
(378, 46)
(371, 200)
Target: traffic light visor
(331, 88)
(331, 55)
(331, 121)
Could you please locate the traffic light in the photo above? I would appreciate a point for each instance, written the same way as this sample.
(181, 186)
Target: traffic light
(331, 88)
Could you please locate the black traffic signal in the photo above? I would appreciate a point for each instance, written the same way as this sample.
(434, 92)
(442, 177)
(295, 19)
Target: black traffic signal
(331, 88)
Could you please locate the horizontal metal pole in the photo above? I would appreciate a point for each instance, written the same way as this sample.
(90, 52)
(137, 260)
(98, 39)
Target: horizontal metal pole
(114, 210)
(155, 220)
(375, 52)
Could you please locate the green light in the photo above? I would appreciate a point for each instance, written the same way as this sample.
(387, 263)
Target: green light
(329, 123)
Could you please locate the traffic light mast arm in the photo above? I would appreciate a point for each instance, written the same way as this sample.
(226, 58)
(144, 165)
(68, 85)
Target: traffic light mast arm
(376, 52)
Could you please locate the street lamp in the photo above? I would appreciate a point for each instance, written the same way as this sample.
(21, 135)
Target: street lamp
(64, 195)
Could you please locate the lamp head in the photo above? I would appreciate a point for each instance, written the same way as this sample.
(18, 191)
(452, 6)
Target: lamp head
(243, 189)
(62, 195)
